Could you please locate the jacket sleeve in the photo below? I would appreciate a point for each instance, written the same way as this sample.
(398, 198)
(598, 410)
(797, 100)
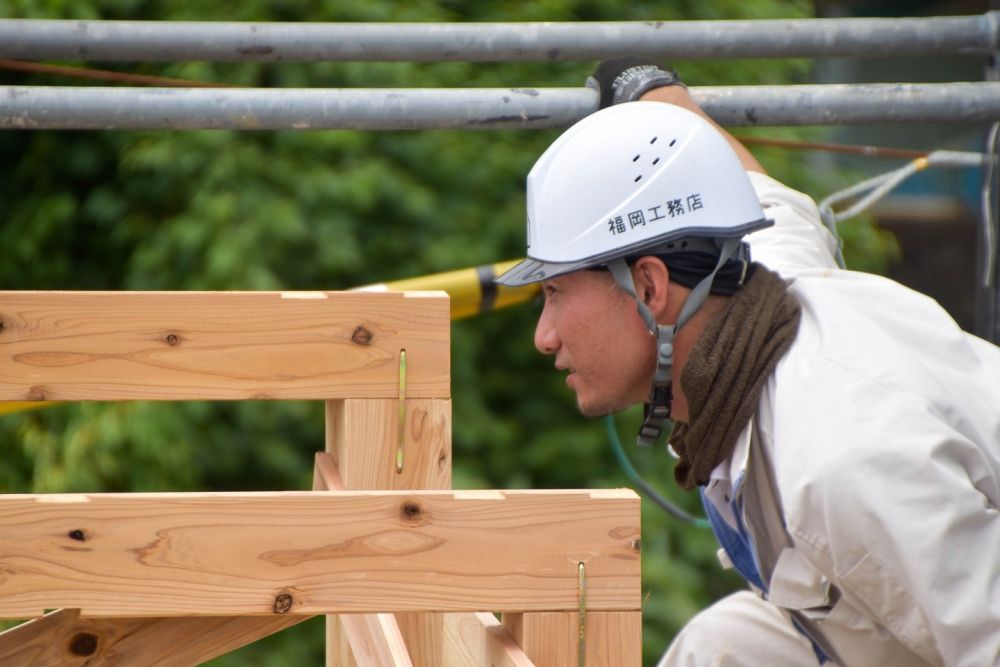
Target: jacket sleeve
(798, 240)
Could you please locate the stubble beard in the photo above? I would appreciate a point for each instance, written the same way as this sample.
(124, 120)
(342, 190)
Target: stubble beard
(601, 409)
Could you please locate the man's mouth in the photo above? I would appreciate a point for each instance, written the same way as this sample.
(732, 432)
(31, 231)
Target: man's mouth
(570, 372)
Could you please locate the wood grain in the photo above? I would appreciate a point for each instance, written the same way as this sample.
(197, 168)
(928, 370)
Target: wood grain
(362, 437)
(316, 552)
(551, 639)
(375, 639)
(221, 345)
(476, 639)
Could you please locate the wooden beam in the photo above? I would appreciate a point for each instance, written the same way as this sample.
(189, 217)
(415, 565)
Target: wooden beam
(476, 639)
(221, 345)
(317, 552)
(551, 639)
(363, 439)
(63, 639)
(614, 638)
(374, 638)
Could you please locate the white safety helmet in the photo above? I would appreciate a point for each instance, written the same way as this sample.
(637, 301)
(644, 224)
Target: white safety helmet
(632, 179)
(628, 178)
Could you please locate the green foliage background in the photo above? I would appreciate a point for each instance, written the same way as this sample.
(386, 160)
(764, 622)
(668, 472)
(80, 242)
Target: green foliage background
(330, 210)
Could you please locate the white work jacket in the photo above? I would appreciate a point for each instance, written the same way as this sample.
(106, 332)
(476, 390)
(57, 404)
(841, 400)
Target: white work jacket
(879, 431)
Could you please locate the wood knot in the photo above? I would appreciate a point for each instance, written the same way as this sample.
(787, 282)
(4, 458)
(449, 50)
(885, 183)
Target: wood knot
(36, 393)
(78, 535)
(362, 336)
(1, 324)
(411, 512)
(83, 643)
(172, 339)
(283, 603)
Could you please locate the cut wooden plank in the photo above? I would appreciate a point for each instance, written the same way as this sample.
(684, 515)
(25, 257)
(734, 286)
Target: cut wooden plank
(317, 552)
(614, 638)
(221, 345)
(363, 439)
(326, 477)
(476, 639)
(423, 635)
(551, 639)
(375, 639)
(63, 639)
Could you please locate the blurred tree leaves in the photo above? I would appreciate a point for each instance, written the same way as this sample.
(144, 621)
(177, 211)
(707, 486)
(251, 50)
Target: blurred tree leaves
(217, 210)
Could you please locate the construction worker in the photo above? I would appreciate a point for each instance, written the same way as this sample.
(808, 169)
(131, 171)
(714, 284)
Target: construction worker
(843, 432)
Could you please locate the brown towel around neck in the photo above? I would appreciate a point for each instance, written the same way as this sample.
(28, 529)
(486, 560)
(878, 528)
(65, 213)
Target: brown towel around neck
(726, 370)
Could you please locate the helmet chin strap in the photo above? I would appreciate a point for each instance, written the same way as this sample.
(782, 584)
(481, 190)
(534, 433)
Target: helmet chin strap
(657, 415)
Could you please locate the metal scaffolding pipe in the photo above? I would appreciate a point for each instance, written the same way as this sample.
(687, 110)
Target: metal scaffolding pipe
(86, 108)
(35, 39)
(95, 108)
(852, 104)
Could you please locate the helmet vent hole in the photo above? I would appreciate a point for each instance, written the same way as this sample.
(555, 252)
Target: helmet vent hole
(636, 158)
(656, 160)
(672, 142)
(684, 244)
(653, 141)
(637, 178)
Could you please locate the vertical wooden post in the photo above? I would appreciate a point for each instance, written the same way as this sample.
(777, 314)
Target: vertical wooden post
(363, 437)
(551, 639)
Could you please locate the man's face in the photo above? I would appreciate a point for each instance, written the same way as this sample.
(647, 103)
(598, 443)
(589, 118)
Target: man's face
(595, 333)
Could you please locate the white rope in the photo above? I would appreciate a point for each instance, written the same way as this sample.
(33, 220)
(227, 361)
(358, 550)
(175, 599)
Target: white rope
(868, 192)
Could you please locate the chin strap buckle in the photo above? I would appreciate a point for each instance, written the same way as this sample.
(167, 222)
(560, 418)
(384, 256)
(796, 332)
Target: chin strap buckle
(657, 414)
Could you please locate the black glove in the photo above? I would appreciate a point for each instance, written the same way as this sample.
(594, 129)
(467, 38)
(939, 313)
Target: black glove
(626, 78)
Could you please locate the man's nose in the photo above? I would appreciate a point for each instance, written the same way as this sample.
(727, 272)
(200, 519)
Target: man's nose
(546, 340)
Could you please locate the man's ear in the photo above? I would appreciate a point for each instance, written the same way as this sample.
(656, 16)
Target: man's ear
(652, 279)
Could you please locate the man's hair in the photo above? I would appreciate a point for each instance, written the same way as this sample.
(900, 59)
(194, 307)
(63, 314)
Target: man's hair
(687, 268)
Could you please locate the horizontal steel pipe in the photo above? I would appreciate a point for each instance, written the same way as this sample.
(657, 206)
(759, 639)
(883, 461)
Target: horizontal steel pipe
(85, 108)
(34, 39)
(92, 108)
(852, 104)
